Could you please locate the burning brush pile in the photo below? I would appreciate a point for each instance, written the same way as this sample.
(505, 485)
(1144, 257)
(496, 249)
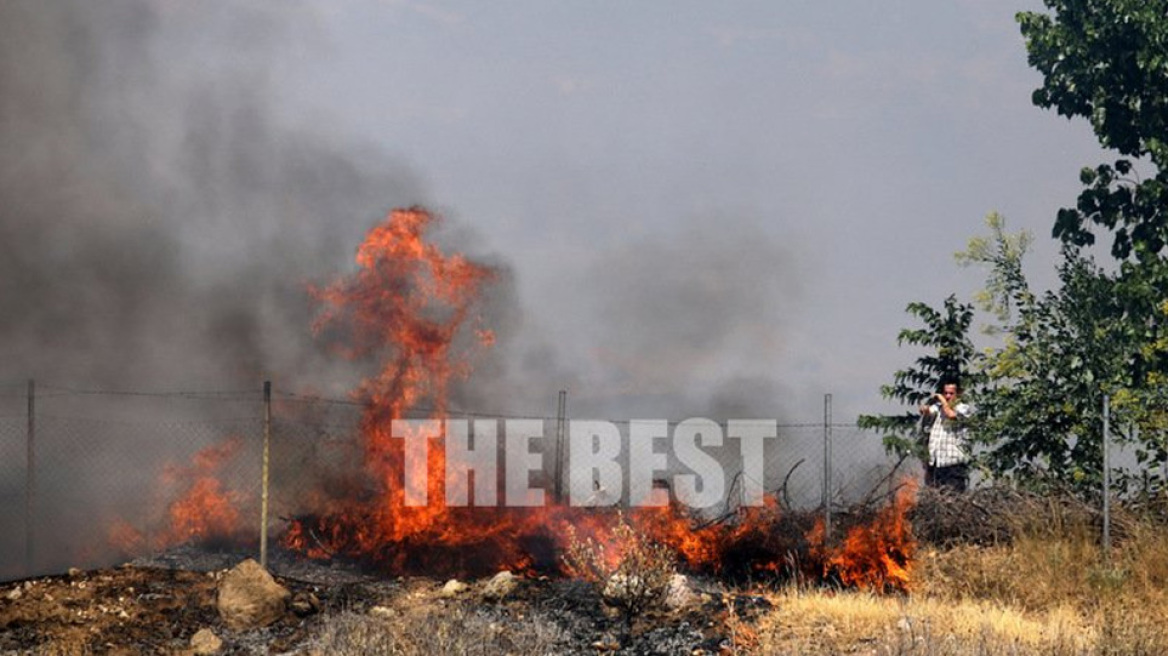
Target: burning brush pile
(415, 309)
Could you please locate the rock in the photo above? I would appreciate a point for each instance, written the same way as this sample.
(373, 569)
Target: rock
(74, 573)
(250, 598)
(501, 585)
(606, 643)
(304, 604)
(382, 611)
(678, 594)
(205, 642)
(14, 594)
(453, 587)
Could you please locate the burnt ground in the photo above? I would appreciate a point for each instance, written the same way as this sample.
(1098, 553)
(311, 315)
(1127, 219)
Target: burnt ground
(156, 605)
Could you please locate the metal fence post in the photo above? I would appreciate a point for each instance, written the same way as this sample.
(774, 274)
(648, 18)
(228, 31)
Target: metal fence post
(30, 480)
(264, 475)
(827, 468)
(1106, 479)
(558, 470)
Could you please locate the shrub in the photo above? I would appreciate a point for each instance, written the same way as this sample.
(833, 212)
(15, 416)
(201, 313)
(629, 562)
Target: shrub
(630, 571)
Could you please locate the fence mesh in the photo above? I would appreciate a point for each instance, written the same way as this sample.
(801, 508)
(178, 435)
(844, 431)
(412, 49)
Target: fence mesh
(121, 474)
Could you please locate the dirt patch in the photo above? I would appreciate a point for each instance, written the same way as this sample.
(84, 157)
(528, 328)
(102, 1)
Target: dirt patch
(126, 610)
(142, 608)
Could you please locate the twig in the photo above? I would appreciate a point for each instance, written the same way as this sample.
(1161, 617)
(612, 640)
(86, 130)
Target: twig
(786, 480)
(320, 544)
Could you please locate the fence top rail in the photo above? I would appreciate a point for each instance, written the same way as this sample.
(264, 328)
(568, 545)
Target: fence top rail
(159, 423)
(48, 390)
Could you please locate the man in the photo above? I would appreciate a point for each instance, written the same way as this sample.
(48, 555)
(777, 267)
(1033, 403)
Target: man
(944, 418)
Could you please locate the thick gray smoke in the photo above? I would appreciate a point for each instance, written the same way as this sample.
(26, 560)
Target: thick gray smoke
(158, 222)
(690, 322)
(159, 226)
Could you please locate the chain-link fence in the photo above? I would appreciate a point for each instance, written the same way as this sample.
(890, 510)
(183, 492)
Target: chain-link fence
(91, 477)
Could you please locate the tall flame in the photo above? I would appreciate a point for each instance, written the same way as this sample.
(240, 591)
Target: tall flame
(413, 306)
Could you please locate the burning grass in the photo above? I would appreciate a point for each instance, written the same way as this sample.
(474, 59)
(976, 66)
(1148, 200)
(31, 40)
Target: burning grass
(1047, 590)
(967, 599)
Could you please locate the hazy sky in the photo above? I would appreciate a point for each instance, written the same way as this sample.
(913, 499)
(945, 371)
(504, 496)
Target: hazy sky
(703, 207)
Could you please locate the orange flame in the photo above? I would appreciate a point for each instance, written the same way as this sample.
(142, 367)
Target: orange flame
(413, 307)
(877, 556)
(200, 508)
(204, 510)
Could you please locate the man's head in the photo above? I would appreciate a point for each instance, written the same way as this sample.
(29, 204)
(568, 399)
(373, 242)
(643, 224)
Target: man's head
(950, 388)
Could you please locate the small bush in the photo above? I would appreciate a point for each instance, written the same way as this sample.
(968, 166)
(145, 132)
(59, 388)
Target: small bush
(631, 572)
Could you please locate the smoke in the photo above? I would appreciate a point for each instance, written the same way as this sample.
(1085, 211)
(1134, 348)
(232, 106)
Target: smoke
(159, 222)
(159, 225)
(692, 322)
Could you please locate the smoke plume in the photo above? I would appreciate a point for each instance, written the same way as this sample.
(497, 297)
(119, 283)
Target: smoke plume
(159, 222)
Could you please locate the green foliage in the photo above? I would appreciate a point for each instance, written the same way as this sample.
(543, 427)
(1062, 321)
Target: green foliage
(1006, 286)
(1041, 412)
(949, 354)
(1041, 408)
(1103, 329)
(1107, 61)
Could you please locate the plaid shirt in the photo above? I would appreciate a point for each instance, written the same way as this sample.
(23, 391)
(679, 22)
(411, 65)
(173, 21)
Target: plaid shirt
(947, 441)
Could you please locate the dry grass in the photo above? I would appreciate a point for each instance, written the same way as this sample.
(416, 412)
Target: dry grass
(1049, 592)
(434, 630)
(853, 622)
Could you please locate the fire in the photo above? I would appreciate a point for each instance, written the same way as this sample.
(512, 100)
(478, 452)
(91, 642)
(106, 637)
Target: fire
(877, 556)
(204, 510)
(414, 308)
(201, 508)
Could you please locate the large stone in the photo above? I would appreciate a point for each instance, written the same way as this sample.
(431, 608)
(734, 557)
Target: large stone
(453, 587)
(205, 643)
(250, 598)
(501, 585)
(678, 594)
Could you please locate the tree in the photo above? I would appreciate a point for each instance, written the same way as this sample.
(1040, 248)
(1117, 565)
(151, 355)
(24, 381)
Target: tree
(1103, 329)
(950, 354)
(1062, 350)
(1107, 61)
